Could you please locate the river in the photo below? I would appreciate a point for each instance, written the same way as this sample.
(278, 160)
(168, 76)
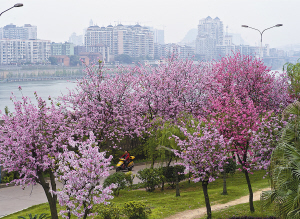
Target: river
(44, 89)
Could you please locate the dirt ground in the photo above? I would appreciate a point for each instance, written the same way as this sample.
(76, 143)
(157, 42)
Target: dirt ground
(197, 213)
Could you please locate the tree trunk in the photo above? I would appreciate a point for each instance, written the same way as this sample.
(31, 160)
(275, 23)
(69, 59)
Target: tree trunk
(152, 164)
(177, 182)
(87, 211)
(50, 197)
(207, 203)
(69, 213)
(250, 191)
(224, 184)
(169, 162)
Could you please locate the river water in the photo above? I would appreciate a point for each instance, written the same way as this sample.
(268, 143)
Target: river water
(44, 89)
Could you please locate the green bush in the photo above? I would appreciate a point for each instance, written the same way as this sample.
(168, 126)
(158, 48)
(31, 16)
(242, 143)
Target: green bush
(118, 179)
(136, 210)
(129, 178)
(8, 177)
(109, 211)
(170, 174)
(150, 177)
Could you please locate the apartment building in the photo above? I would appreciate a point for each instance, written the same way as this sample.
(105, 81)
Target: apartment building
(210, 34)
(167, 50)
(135, 41)
(16, 51)
(11, 31)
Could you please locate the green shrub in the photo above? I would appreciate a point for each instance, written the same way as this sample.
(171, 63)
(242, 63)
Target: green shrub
(171, 172)
(136, 210)
(109, 211)
(8, 177)
(129, 178)
(150, 177)
(41, 216)
(118, 179)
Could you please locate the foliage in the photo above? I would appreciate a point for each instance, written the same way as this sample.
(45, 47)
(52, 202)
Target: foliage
(109, 211)
(6, 110)
(170, 173)
(74, 60)
(285, 169)
(149, 176)
(52, 60)
(41, 216)
(118, 179)
(293, 72)
(129, 176)
(136, 210)
(8, 177)
(229, 166)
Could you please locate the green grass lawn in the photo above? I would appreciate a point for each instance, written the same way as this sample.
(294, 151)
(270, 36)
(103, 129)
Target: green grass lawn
(242, 210)
(164, 203)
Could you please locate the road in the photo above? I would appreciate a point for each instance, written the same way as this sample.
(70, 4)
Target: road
(14, 199)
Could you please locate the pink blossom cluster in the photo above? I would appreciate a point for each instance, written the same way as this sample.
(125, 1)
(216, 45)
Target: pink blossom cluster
(203, 152)
(81, 173)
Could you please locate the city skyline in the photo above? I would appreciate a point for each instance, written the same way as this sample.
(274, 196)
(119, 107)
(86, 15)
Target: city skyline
(56, 21)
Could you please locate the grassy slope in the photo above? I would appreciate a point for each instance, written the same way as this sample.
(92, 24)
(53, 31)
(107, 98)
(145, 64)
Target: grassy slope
(242, 210)
(164, 203)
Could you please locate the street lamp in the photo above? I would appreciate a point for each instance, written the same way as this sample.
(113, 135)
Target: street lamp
(15, 6)
(261, 33)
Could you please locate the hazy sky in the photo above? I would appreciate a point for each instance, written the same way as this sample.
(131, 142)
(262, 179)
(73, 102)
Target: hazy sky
(56, 20)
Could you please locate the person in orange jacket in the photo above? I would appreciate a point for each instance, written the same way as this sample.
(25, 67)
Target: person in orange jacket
(126, 157)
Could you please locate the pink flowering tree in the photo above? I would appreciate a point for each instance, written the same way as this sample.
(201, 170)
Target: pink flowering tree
(104, 103)
(204, 153)
(166, 91)
(247, 95)
(31, 139)
(81, 173)
(39, 139)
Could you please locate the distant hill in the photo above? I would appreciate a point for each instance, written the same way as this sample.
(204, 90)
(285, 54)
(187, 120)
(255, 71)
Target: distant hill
(190, 37)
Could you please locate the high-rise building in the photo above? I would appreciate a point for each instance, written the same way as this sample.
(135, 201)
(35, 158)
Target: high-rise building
(135, 41)
(159, 36)
(11, 31)
(210, 34)
(17, 51)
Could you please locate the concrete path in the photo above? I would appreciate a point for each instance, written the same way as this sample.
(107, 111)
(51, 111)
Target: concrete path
(14, 199)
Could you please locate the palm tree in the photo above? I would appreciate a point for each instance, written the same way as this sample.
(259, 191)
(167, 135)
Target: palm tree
(285, 168)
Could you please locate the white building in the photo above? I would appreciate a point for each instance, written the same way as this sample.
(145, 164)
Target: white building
(210, 34)
(24, 51)
(27, 32)
(135, 41)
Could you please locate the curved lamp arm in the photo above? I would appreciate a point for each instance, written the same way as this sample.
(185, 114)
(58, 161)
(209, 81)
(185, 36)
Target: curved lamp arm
(15, 6)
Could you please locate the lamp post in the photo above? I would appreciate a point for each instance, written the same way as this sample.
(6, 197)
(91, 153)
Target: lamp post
(261, 33)
(15, 6)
